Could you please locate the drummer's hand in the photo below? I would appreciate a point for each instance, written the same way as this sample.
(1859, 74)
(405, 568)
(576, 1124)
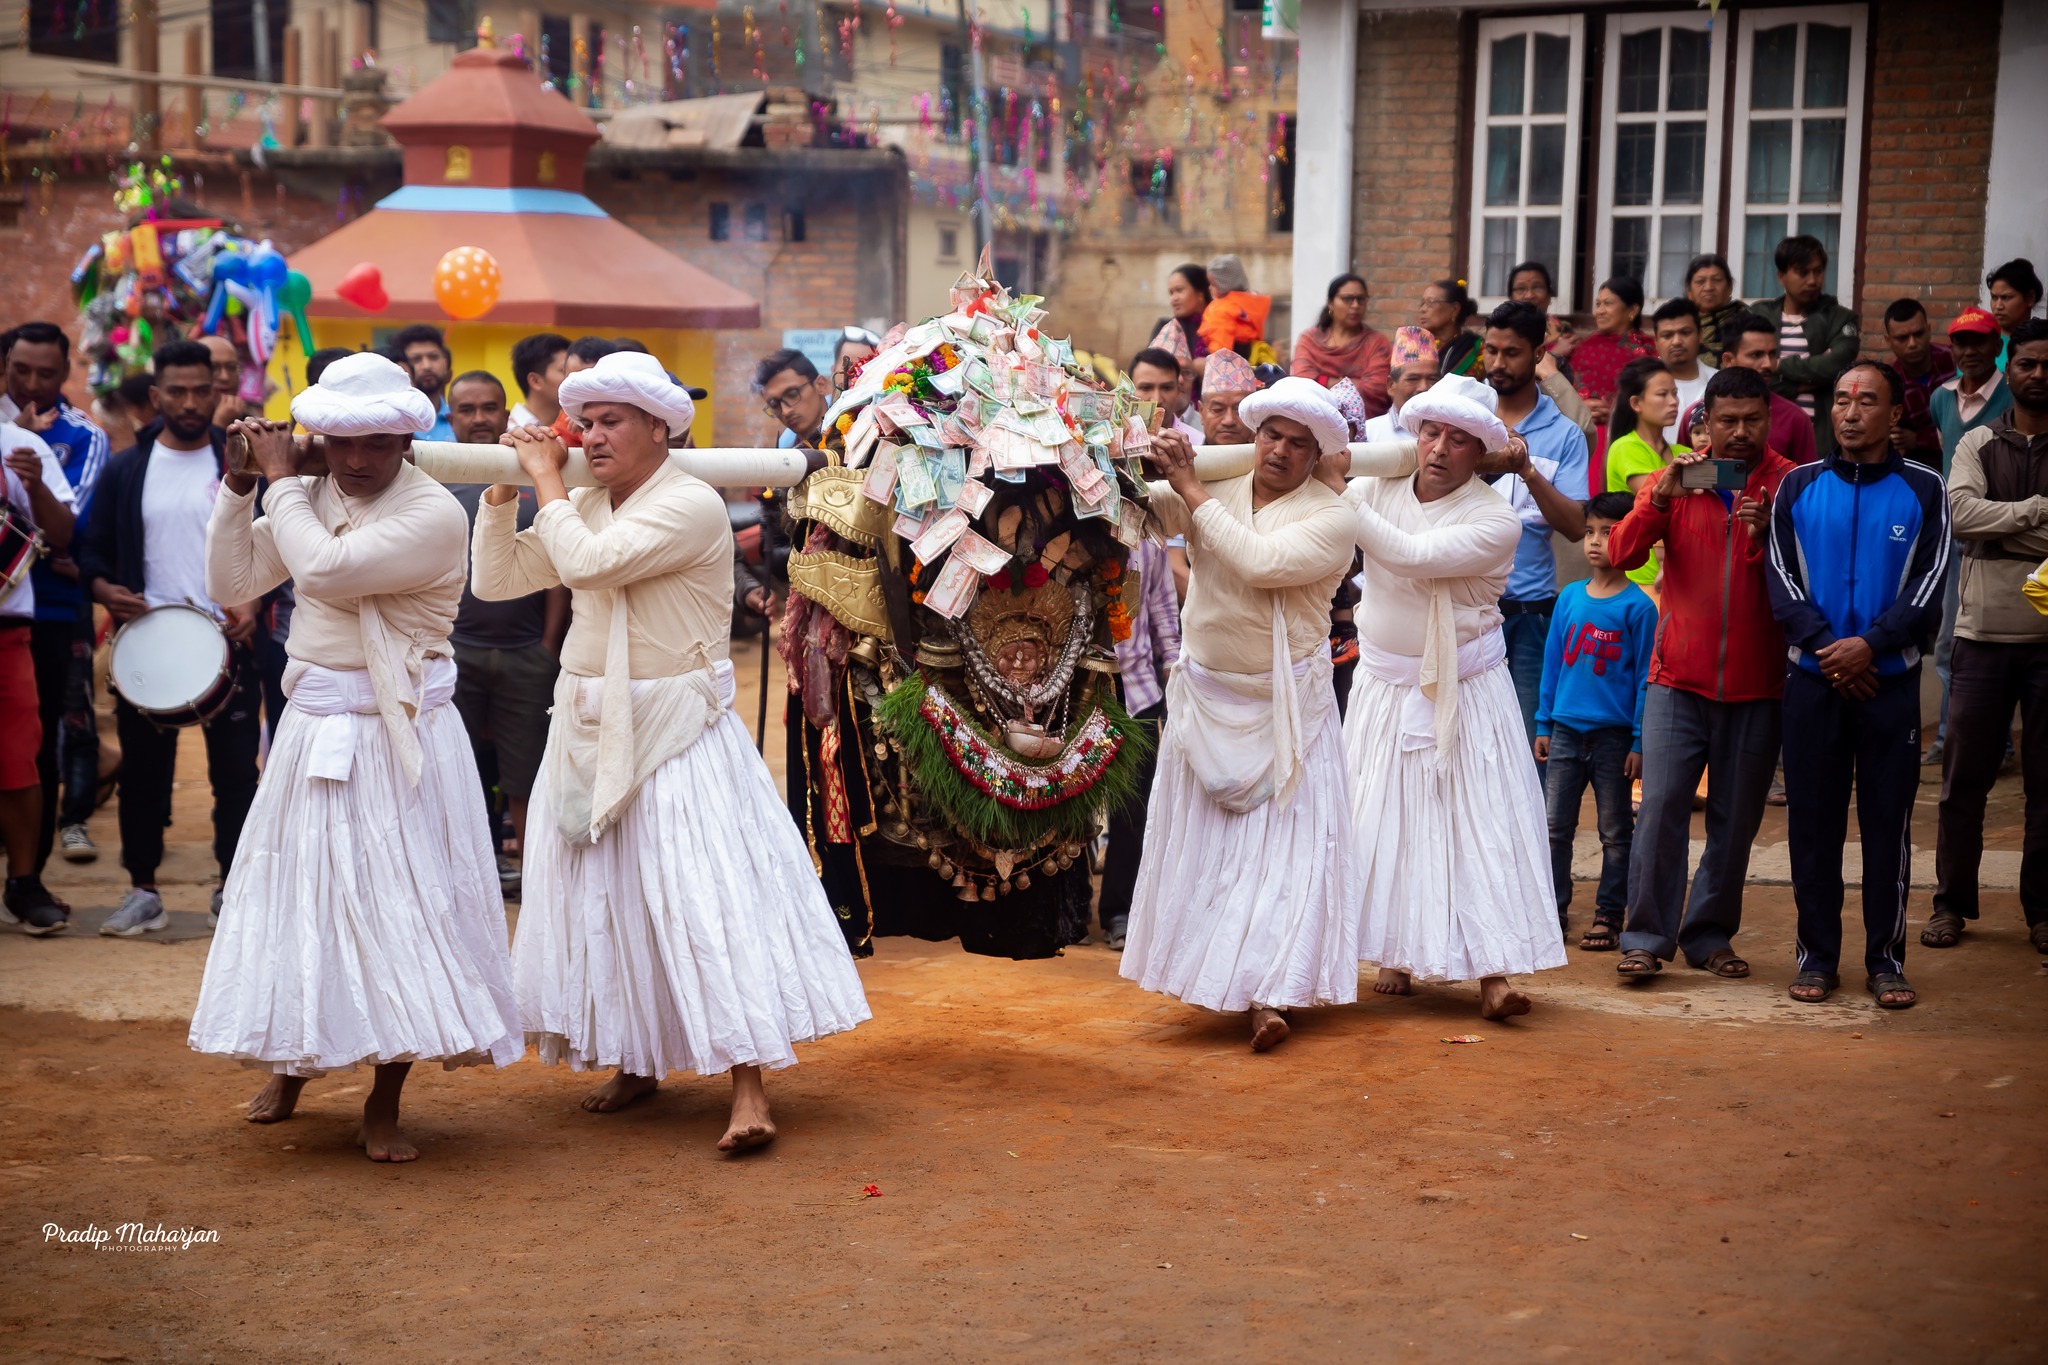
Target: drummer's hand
(120, 603)
(241, 621)
(27, 464)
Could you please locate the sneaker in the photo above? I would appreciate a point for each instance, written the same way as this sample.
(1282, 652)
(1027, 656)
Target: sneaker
(508, 877)
(29, 903)
(213, 909)
(76, 844)
(140, 913)
(1931, 756)
(1114, 930)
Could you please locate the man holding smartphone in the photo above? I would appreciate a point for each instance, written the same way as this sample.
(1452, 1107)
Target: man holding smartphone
(1715, 686)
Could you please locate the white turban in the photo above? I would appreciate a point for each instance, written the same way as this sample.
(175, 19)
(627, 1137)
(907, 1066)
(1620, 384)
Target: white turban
(363, 395)
(1303, 401)
(635, 379)
(1460, 401)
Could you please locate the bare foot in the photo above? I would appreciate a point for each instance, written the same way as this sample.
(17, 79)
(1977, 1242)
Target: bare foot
(274, 1102)
(1498, 1000)
(618, 1092)
(379, 1136)
(1392, 982)
(1269, 1028)
(751, 1125)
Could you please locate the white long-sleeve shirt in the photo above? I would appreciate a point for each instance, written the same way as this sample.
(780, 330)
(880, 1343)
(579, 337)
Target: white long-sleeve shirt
(1467, 538)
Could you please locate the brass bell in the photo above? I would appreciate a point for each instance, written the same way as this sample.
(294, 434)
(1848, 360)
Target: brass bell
(945, 868)
(988, 893)
(1003, 888)
(1023, 881)
(881, 749)
(967, 891)
(923, 840)
(935, 861)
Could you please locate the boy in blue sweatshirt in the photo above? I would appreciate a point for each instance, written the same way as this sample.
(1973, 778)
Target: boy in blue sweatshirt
(1589, 718)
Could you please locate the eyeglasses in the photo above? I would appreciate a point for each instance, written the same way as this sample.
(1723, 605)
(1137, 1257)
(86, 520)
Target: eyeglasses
(1356, 299)
(775, 407)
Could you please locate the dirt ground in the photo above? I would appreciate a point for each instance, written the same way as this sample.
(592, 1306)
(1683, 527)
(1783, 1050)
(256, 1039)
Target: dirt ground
(1067, 1168)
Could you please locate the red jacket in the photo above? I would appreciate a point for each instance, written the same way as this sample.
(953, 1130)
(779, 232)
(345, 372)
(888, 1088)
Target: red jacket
(1717, 635)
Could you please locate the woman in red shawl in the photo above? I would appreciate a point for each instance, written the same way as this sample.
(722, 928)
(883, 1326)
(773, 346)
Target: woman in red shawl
(1615, 341)
(1341, 346)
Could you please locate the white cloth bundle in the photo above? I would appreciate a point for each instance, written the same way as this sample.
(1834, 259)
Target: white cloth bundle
(1460, 401)
(1242, 736)
(610, 734)
(363, 395)
(1419, 715)
(633, 379)
(336, 697)
(1303, 401)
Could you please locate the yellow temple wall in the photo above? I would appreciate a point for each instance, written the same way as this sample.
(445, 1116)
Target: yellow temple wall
(690, 356)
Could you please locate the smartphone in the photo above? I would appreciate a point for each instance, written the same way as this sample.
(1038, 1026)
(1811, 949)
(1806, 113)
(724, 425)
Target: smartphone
(1721, 476)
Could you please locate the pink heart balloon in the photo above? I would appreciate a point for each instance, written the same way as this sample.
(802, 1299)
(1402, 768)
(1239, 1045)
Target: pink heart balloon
(364, 287)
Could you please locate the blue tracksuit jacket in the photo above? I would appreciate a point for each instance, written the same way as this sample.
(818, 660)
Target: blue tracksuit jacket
(1859, 549)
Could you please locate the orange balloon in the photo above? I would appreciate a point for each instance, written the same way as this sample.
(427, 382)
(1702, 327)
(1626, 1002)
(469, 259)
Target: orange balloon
(467, 282)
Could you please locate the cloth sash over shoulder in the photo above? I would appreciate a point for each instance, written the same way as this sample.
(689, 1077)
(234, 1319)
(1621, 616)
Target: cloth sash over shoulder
(611, 733)
(339, 700)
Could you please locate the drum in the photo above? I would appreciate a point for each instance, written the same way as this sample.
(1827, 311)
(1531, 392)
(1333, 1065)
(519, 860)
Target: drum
(19, 546)
(171, 663)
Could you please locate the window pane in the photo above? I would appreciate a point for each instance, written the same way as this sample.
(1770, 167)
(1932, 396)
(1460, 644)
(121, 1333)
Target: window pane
(1508, 61)
(1770, 161)
(1761, 234)
(1820, 160)
(1546, 164)
(1504, 165)
(1827, 227)
(1642, 62)
(1691, 69)
(1827, 67)
(1553, 74)
(1635, 163)
(1685, 162)
(1631, 247)
(1499, 256)
(1772, 70)
(1542, 243)
(1678, 244)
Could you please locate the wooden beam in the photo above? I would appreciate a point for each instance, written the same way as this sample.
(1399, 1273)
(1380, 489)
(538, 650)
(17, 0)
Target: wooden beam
(99, 76)
(147, 115)
(288, 113)
(325, 110)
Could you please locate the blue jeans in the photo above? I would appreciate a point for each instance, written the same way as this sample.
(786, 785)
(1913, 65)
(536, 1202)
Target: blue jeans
(1736, 744)
(1578, 757)
(1525, 635)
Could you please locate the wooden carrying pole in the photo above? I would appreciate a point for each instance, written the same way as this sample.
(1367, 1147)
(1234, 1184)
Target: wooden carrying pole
(451, 462)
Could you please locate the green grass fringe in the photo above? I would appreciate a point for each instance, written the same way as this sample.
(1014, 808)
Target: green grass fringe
(977, 814)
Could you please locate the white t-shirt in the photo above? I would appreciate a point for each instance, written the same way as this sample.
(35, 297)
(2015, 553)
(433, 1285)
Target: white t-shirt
(1690, 391)
(522, 416)
(20, 600)
(178, 490)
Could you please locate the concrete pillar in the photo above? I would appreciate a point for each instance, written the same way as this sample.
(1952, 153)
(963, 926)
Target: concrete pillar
(2016, 202)
(1323, 150)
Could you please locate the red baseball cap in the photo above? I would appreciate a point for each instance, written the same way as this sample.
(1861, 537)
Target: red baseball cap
(1974, 319)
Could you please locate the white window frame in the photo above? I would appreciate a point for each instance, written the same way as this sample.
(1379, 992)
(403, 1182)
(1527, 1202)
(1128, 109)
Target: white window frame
(1605, 211)
(1573, 27)
(1856, 18)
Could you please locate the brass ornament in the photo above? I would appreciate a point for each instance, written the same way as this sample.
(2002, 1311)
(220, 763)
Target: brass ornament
(849, 588)
(832, 496)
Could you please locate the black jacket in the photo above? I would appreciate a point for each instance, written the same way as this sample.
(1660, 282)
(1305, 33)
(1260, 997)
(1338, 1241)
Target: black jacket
(111, 547)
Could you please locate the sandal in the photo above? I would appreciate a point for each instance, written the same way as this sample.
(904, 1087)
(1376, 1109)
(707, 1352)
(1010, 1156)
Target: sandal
(1823, 982)
(1726, 963)
(1944, 930)
(1638, 964)
(2038, 935)
(1892, 984)
(1601, 937)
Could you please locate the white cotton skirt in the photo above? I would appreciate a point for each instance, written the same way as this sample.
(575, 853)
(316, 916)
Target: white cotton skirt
(362, 920)
(693, 936)
(1260, 908)
(1456, 864)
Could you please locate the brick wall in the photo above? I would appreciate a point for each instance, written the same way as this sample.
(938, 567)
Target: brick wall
(42, 250)
(1933, 76)
(812, 283)
(1405, 216)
